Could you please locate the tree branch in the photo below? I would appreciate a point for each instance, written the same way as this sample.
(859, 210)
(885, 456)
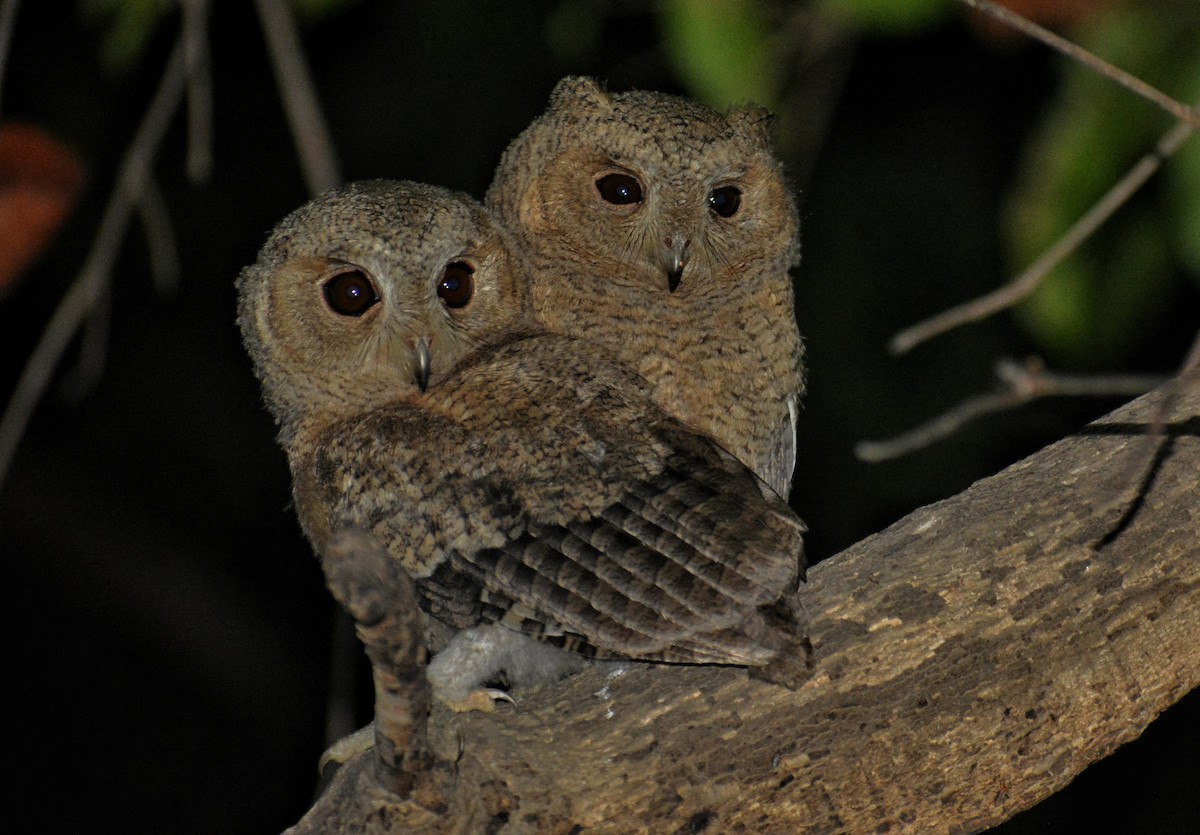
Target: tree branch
(1021, 383)
(1188, 115)
(971, 660)
(8, 19)
(1033, 275)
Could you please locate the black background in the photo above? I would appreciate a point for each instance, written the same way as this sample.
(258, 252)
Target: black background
(169, 630)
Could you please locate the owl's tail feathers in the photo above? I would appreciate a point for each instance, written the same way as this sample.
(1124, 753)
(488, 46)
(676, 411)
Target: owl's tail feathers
(792, 664)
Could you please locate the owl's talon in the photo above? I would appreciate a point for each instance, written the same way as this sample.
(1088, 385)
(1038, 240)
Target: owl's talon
(500, 696)
(483, 700)
(346, 748)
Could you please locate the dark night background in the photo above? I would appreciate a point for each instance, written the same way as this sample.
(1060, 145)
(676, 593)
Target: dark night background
(168, 647)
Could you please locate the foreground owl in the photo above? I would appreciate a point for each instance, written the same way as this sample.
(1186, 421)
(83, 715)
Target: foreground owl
(527, 486)
(664, 231)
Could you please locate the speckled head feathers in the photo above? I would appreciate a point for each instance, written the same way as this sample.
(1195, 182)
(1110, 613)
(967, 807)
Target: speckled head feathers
(635, 179)
(371, 292)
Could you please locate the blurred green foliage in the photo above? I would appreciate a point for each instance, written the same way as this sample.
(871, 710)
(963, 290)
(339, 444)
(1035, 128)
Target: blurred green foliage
(1089, 309)
(728, 51)
(719, 49)
(1181, 185)
(1181, 192)
(129, 25)
(897, 16)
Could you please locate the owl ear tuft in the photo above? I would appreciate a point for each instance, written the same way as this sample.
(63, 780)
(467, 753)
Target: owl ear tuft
(752, 121)
(578, 90)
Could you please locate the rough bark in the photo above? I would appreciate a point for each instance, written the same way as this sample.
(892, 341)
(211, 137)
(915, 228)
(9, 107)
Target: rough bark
(970, 660)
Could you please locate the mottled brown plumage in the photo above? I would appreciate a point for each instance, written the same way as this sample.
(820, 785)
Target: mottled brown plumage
(519, 478)
(664, 231)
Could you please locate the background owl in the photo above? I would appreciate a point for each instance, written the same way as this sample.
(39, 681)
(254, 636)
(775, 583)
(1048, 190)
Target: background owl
(664, 231)
(523, 482)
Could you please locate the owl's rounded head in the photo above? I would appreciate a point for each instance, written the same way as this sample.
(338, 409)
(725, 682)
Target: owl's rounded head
(373, 292)
(648, 190)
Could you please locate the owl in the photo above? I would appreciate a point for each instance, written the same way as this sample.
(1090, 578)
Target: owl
(663, 231)
(546, 508)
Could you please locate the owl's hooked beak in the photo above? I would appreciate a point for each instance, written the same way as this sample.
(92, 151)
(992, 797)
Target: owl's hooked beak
(420, 364)
(674, 259)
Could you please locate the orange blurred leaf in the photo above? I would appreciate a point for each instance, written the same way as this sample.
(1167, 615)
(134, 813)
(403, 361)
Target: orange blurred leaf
(39, 183)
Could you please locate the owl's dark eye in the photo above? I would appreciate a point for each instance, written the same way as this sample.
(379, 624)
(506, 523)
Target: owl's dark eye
(619, 189)
(725, 201)
(350, 293)
(457, 284)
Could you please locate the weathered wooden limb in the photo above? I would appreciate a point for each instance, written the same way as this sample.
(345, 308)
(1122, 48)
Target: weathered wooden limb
(970, 660)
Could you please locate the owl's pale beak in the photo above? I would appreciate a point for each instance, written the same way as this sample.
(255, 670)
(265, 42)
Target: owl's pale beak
(674, 259)
(421, 362)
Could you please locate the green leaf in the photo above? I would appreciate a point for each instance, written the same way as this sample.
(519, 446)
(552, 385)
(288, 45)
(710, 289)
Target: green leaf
(720, 50)
(887, 15)
(1094, 307)
(1181, 178)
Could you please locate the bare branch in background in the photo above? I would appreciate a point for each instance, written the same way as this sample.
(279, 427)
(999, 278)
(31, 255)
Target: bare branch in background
(313, 145)
(160, 238)
(1027, 281)
(1131, 485)
(1021, 384)
(91, 283)
(8, 18)
(1178, 109)
(81, 379)
(199, 90)
(818, 49)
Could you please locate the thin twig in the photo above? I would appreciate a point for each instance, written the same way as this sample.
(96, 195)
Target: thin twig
(160, 239)
(1022, 383)
(8, 19)
(1141, 462)
(92, 279)
(1176, 108)
(1193, 356)
(93, 351)
(1027, 281)
(199, 90)
(309, 130)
